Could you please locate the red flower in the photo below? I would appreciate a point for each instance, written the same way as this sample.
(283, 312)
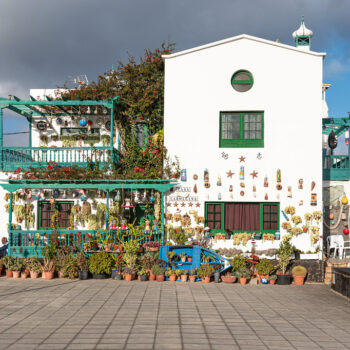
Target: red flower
(17, 171)
(154, 152)
(154, 92)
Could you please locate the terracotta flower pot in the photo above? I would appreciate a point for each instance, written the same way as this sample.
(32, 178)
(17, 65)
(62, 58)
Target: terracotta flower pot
(228, 279)
(24, 275)
(152, 249)
(172, 278)
(128, 277)
(192, 279)
(16, 274)
(183, 278)
(272, 281)
(242, 280)
(9, 274)
(206, 279)
(152, 277)
(183, 259)
(48, 275)
(160, 278)
(0, 271)
(34, 274)
(298, 280)
(189, 259)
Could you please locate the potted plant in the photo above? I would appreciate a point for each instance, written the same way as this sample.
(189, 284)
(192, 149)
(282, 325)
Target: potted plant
(228, 277)
(129, 273)
(171, 255)
(189, 258)
(34, 267)
(152, 246)
(159, 272)
(143, 273)
(205, 271)
(244, 275)
(130, 267)
(83, 267)
(183, 257)
(70, 268)
(178, 274)
(299, 273)
(171, 273)
(16, 267)
(264, 267)
(147, 262)
(8, 261)
(48, 265)
(238, 262)
(273, 279)
(284, 254)
(193, 274)
(184, 275)
(1, 266)
(119, 265)
(100, 265)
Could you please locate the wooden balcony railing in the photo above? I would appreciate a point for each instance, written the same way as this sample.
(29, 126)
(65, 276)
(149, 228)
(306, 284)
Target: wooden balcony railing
(24, 157)
(336, 167)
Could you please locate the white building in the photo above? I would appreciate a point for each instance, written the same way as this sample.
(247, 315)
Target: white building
(246, 108)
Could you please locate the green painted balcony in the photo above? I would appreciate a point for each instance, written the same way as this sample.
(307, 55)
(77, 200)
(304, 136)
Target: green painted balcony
(25, 157)
(336, 167)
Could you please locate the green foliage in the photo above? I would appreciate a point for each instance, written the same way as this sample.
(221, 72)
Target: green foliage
(177, 234)
(33, 264)
(273, 277)
(299, 271)
(143, 272)
(131, 248)
(284, 254)
(100, 263)
(194, 271)
(49, 251)
(182, 255)
(148, 261)
(157, 270)
(70, 268)
(1, 263)
(238, 262)
(205, 270)
(170, 272)
(178, 272)
(17, 264)
(264, 267)
(82, 261)
(8, 262)
(184, 272)
(171, 254)
(245, 272)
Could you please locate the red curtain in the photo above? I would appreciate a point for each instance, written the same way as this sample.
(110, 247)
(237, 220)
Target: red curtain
(242, 217)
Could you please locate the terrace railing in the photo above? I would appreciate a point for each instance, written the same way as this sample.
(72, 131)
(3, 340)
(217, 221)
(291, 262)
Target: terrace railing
(24, 157)
(27, 243)
(336, 167)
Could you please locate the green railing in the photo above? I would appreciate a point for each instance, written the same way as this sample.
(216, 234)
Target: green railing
(336, 167)
(24, 157)
(24, 244)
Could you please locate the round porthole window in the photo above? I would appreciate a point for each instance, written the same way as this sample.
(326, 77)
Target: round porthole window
(242, 81)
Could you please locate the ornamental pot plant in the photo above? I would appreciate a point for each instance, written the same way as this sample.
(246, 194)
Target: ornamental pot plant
(147, 262)
(244, 275)
(193, 274)
(8, 262)
(299, 273)
(171, 274)
(159, 272)
(48, 265)
(183, 257)
(17, 267)
(34, 267)
(70, 268)
(100, 265)
(83, 267)
(118, 267)
(178, 274)
(152, 246)
(143, 274)
(184, 275)
(229, 278)
(129, 273)
(284, 254)
(189, 258)
(1, 266)
(205, 271)
(238, 262)
(273, 279)
(264, 268)
(130, 267)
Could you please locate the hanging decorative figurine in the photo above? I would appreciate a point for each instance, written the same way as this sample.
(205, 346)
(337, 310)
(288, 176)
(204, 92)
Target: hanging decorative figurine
(231, 188)
(195, 188)
(301, 202)
(254, 188)
(300, 184)
(56, 193)
(313, 184)
(219, 196)
(278, 176)
(82, 122)
(259, 156)
(241, 173)
(313, 199)
(241, 193)
(266, 197)
(183, 175)
(123, 225)
(151, 198)
(231, 196)
(332, 140)
(137, 197)
(206, 178)
(224, 155)
(218, 183)
(242, 184)
(289, 191)
(266, 182)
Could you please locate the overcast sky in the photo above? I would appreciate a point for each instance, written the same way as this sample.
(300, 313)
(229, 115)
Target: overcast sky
(44, 42)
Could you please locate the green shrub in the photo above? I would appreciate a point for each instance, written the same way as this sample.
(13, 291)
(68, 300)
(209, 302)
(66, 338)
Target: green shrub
(33, 264)
(178, 272)
(194, 271)
(70, 268)
(184, 272)
(238, 262)
(8, 262)
(170, 272)
(273, 277)
(82, 261)
(100, 263)
(284, 254)
(299, 271)
(157, 270)
(245, 272)
(17, 264)
(205, 270)
(264, 267)
(131, 247)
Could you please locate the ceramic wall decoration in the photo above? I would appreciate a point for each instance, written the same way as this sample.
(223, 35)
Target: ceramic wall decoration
(59, 121)
(108, 125)
(183, 175)
(224, 155)
(313, 199)
(241, 193)
(242, 184)
(259, 156)
(278, 187)
(41, 125)
(266, 197)
(254, 174)
(266, 182)
(206, 178)
(278, 196)
(195, 177)
(344, 200)
(241, 173)
(278, 176)
(231, 196)
(301, 202)
(56, 193)
(218, 182)
(82, 122)
(219, 196)
(300, 184)
(332, 140)
(313, 184)
(230, 174)
(195, 188)
(285, 215)
(343, 215)
(231, 188)
(254, 188)
(289, 191)
(241, 159)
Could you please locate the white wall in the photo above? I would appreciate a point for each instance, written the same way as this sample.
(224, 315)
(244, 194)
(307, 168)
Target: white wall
(287, 87)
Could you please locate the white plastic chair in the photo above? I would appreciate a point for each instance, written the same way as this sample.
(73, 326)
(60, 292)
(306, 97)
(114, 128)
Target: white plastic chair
(335, 242)
(346, 246)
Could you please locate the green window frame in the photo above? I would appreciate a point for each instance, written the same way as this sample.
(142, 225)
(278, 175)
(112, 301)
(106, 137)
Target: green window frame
(242, 81)
(79, 131)
(241, 129)
(269, 216)
(56, 206)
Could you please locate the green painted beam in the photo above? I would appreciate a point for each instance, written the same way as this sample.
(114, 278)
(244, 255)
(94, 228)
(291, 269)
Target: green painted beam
(59, 107)
(17, 99)
(19, 111)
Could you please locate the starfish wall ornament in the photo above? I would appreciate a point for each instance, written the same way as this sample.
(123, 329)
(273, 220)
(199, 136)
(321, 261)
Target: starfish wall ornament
(168, 204)
(183, 204)
(241, 159)
(176, 204)
(230, 174)
(190, 204)
(254, 174)
(198, 205)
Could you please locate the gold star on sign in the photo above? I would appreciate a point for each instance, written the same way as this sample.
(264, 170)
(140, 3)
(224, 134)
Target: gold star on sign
(190, 204)
(198, 205)
(230, 174)
(183, 204)
(241, 159)
(254, 174)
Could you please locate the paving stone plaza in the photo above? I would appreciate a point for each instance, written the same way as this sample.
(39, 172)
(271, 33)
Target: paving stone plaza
(108, 314)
